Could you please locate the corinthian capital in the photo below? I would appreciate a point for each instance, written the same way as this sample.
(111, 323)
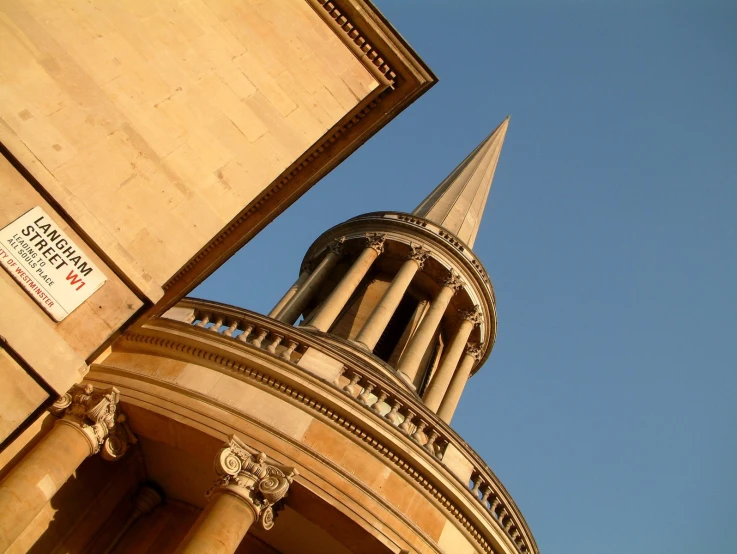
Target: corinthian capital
(474, 349)
(453, 280)
(473, 315)
(95, 413)
(308, 266)
(418, 254)
(375, 241)
(337, 246)
(247, 473)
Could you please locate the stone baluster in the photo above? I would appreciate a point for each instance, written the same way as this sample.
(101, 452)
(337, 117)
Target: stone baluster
(471, 357)
(260, 338)
(407, 426)
(247, 491)
(307, 270)
(409, 364)
(376, 323)
(89, 423)
(502, 515)
(275, 342)
(230, 330)
(298, 302)
(449, 362)
(243, 337)
(204, 320)
(419, 435)
(393, 416)
(380, 403)
(291, 347)
(337, 299)
(218, 323)
(353, 388)
(365, 397)
(477, 484)
(494, 504)
(508, 525)
(430, 444)
(440, 448)
(485, 497)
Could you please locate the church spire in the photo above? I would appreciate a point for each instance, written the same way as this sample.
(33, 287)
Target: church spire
(459, 201)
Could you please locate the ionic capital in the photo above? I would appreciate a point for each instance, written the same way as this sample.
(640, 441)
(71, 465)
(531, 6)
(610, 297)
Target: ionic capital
(475, 350)
(95, 413)
(418, 254)
(337, 246)
(375, 241)
(246, 473)
(453, 280)
(473, 315)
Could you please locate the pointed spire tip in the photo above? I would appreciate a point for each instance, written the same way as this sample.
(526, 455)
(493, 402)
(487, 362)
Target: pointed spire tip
(458, 202)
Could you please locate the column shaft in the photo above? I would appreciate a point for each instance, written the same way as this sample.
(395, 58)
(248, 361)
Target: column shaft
(37, 477)
(384, 310)
(289, 294)
(343, 291)
(455, 389)
(220, 527)
(409, 364)
(290, 312)
(449, 362)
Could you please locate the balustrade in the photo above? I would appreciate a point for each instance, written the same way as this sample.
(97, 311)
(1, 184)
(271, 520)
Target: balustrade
(405, 413)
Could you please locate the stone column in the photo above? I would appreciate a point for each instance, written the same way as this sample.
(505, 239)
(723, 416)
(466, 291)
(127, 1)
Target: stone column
(247, 491)
(409, 364)
(449, 362)
(89, 423)
(295, 305)
(337, 300)
(371, 332)
(450, 401)
(306, 272)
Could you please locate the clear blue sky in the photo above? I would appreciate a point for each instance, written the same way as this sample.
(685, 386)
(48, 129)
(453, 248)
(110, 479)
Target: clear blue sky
(609, 404)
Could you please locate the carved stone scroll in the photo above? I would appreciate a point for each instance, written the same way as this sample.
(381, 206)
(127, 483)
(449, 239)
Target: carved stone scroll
(95, 413)
(247, 473)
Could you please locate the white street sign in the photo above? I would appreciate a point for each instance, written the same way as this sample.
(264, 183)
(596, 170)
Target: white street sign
(48, 264)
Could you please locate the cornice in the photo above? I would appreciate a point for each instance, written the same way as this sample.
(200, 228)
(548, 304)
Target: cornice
(402, 78)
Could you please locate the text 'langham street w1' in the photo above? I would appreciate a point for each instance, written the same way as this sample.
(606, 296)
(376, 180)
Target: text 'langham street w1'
(48, 264)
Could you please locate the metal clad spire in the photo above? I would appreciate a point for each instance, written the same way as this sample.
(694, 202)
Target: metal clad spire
(459, 201)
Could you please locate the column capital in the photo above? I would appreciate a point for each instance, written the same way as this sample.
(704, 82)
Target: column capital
(475, 350)
(453, 280)
(95, 413)
(473, 315)
(247, 474)
(418, 253)
(337, 246)
(375, 241)
(308, 266)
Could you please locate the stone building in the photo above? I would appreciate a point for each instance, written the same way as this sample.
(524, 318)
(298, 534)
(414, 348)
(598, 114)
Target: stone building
(145, 142)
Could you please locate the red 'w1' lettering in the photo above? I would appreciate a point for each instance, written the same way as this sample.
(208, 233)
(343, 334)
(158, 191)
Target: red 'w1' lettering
(74, 278)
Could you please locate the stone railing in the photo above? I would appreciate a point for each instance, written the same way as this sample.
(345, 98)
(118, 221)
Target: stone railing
(375, 391)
